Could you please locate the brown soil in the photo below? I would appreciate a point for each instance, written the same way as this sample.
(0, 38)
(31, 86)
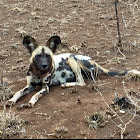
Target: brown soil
(86, 27)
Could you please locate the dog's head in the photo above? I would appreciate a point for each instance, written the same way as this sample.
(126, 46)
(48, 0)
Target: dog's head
(41, 60)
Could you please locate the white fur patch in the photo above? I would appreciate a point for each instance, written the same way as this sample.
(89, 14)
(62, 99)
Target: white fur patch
(134, 72)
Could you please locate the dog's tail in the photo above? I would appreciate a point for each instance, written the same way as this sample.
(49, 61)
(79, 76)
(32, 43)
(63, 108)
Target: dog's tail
(110, 73)
(90, 69)
(117, 73)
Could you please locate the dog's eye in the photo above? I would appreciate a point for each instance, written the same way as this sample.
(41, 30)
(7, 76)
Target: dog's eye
(39, 55)
(47, 55)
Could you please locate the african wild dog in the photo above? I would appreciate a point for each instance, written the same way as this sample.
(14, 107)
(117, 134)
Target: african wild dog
(46, 69)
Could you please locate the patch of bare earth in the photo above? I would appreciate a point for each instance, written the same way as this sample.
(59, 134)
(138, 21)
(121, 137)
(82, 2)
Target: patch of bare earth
(87, 27)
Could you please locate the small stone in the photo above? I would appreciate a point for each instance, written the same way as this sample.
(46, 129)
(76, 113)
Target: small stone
(122, 111)
(14, 68)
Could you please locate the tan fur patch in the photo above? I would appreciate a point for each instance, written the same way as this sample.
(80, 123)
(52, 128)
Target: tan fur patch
(98, 66)
(38, 51)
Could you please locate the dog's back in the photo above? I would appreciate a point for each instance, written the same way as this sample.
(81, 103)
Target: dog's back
(63, 72)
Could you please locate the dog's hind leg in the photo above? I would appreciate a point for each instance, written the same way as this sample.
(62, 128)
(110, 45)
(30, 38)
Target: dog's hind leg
(77, 71)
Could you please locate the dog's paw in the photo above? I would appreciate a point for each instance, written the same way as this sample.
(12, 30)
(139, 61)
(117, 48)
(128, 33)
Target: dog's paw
(26, 105)
(63, 85)
(30, 105)
(10, 103)
(69, 84)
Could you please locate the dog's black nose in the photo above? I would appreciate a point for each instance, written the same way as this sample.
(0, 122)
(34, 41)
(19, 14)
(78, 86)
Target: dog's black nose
(44, 66)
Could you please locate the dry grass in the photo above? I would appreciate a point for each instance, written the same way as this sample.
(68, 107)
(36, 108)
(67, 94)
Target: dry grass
(133, 75)
(11, 125)
(59, 132)
(99, 119)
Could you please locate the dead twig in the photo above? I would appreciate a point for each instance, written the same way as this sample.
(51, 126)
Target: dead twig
(118, 24)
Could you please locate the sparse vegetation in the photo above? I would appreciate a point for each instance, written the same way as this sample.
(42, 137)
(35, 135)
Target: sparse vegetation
(99, 119)
(10, 124)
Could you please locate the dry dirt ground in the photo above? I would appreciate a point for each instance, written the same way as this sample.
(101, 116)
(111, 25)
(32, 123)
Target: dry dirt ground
(86, 27)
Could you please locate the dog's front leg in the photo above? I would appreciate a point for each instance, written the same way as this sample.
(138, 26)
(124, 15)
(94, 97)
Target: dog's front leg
(38, 95)
(28, 89)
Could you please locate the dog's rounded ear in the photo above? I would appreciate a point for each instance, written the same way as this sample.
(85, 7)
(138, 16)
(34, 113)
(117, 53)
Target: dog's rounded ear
(30, 43)
(53, 42)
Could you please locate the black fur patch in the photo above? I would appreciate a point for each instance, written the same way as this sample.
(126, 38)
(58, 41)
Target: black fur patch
(55, 84)
(43, 51)
(72, 55)
(87, 64)
(53, 42)
(28, 73)
(28, 90)
(63, 65)
(27, 40)
(73, 79)
(63, 74)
